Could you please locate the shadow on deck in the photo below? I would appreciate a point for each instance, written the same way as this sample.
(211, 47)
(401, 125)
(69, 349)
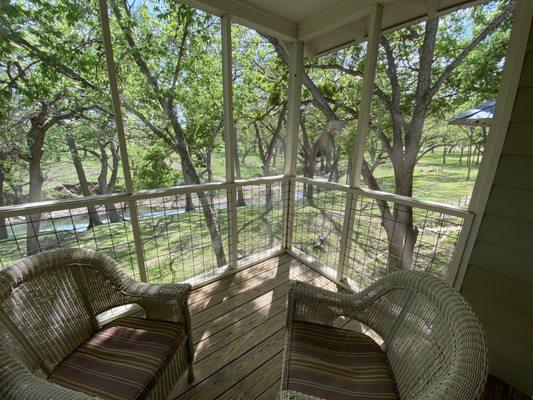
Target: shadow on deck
(238, 327)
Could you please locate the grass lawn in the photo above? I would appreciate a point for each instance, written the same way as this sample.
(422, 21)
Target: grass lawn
(445, 183)
(177, 245)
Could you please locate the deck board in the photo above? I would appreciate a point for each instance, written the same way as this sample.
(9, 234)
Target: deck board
(238, 333)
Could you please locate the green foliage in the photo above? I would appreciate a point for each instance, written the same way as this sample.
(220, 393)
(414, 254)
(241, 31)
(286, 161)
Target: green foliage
(52, 56)
(151, 166)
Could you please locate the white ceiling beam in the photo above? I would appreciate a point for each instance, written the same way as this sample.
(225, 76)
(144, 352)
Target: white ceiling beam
(395, 15)
(249, 15)
(342, 14)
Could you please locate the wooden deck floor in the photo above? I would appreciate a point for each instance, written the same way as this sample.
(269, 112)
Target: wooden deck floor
(238, 329)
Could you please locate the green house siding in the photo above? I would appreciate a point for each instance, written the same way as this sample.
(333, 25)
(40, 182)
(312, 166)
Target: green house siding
(499, 279)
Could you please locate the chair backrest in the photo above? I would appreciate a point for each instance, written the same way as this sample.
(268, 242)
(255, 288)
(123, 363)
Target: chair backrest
(433, 340)
(44, 309)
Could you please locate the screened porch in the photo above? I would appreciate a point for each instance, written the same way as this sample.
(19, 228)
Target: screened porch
(240, 242)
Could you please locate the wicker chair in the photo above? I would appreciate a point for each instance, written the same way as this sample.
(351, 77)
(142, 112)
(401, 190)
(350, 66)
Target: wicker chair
(48, 308)
(432, 340)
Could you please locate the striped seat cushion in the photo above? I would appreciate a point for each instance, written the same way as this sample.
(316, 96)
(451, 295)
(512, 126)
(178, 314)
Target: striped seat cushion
(336, 364)
(121, 361)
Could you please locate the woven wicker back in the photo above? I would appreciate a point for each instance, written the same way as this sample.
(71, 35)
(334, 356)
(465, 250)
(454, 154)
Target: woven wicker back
(433, 340)
(44, 308)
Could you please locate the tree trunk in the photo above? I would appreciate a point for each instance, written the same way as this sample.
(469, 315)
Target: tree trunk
(484, 133)
(240, 193)
(444, 155)
(3, 221)
(191, 176)
(330, 155)
(401, 233)
(94, 218)
(105, 187)
(469, 158)
(334, 168)
(310, 173)
(35, 142)
(209, 166)
(189, 204)
(275, 156)
(268, 190)
(461, 154)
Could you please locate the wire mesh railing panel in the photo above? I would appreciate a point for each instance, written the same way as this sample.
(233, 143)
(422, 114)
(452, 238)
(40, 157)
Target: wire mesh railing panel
(185, 236)
(318, 223)
(259, 221)
(102, 228)
(387, 237)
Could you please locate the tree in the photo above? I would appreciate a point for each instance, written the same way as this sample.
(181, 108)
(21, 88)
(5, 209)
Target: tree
(156, 84)
(44, 44)
(94, 218)
(266, 150)
(418, 72)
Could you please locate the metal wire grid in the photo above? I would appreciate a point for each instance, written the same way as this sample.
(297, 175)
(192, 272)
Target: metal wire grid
(318, 220)
(374, 253)
(259, 222)
(68, 229)
(175, 236)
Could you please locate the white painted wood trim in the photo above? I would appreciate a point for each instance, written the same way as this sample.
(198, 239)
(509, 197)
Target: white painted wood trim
(325, 30)
(457, 211)
(347, 229)
(250, 15)
(296, 55)
(363, 125)
(459, 250)
(227, 89)
(119, 122)
(293, 107)
(57, 205)
(502, 114)
(229, 137)
(367, 93)
(300, 256)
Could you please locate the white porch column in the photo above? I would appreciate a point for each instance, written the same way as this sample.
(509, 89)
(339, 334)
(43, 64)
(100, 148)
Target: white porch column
(119, 122)
(229, 137)
(363, 126)
(296, 56)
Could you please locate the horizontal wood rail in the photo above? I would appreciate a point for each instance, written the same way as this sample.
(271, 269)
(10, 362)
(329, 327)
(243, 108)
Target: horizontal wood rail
(325, 266)
(457, 211)
(57, 205)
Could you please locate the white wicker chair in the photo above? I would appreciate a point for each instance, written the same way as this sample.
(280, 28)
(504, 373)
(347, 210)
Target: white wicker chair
(433, 341)
(48, 307)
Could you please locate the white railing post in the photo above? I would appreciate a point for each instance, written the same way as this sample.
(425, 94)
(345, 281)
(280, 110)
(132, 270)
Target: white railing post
(363, 126)
(111, 71)
(229, 138)
(296, 56)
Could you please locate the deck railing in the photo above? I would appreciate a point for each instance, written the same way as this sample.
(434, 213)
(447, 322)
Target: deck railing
(176, 241)
(382, 233)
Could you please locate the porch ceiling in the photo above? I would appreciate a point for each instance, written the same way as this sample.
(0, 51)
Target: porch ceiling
(324, 25)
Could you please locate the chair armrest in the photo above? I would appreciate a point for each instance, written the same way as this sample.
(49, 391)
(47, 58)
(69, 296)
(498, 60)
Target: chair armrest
(16, 382)
(112, 286)
(164, 302)
(312, 304)
(291, 395)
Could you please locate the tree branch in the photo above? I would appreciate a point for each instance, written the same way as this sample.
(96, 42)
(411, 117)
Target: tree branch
(500, 19)
(181, 52)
